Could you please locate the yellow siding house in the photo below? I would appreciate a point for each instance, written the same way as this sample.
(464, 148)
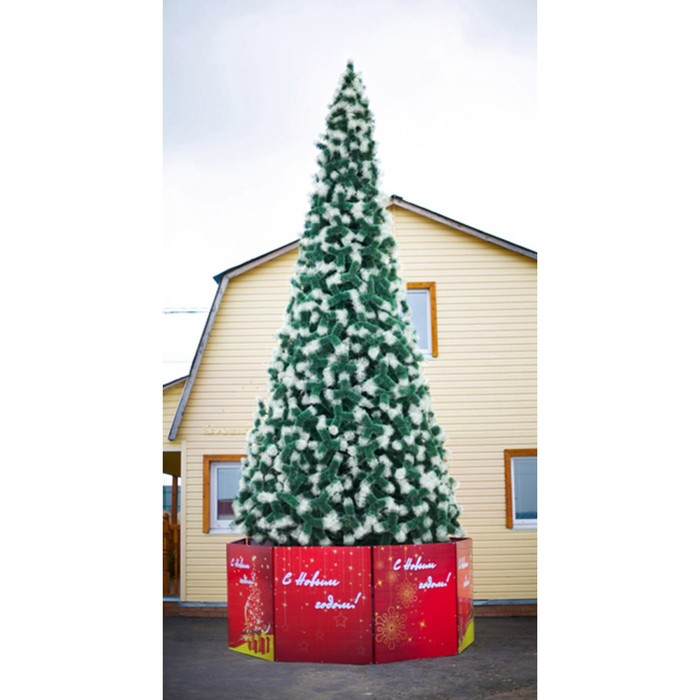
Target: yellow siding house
(474, 301)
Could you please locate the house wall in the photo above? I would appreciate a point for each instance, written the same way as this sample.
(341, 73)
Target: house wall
(483, 384)
(232, 374)
(171, 397)
(483, 387)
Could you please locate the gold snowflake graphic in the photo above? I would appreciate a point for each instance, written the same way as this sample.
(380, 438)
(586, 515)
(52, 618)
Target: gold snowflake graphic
(391, 628)
(407, 593)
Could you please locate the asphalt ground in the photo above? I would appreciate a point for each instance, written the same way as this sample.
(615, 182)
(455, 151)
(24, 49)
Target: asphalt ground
(501, 664)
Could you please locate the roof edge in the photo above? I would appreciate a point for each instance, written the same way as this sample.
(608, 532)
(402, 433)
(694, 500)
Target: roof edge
(174, 382)
(254, 262)
(397, 200)
(197, 361)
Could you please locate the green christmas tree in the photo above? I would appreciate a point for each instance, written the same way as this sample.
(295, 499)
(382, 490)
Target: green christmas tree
(347, 450)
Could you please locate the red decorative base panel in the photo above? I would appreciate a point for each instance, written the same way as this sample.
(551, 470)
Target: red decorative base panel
(356, 605)
(250, 600)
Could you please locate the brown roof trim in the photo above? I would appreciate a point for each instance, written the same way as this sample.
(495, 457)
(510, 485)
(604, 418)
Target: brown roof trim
(396, 200)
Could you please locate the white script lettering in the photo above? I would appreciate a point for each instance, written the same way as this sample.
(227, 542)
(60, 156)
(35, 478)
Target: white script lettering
(417, 565)
(331, 604)
(429, 583)
(304, 580)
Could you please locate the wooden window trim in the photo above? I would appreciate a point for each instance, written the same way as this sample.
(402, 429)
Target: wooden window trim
(431, 287)
(507, 455)
(206, 486)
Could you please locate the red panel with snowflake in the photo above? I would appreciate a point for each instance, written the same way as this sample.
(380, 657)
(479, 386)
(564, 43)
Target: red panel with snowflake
(323, 604)
(250, 599)
(415, 602)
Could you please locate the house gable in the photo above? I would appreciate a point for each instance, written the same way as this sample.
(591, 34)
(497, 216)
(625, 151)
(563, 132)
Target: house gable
(223, 279)
(401, 203)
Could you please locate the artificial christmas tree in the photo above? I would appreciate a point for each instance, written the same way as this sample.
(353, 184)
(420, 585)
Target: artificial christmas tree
(347, 450)
(346, 456)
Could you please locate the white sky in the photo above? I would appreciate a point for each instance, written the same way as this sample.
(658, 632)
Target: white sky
(452, 84)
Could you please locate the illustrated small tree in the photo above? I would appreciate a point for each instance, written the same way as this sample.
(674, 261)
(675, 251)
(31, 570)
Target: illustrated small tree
(347, 450)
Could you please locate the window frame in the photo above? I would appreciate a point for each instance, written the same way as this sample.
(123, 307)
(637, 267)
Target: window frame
(511, 522)
(431, 287)
(207, 485)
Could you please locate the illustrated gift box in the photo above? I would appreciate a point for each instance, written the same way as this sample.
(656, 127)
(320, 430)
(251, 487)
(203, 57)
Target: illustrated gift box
(355, 605)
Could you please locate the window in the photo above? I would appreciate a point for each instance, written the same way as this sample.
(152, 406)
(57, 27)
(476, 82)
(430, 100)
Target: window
(521, 488)
(222, 478)
(422, 302)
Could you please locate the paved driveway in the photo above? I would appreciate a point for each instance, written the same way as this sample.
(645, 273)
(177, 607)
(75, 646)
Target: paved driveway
(501, 664)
